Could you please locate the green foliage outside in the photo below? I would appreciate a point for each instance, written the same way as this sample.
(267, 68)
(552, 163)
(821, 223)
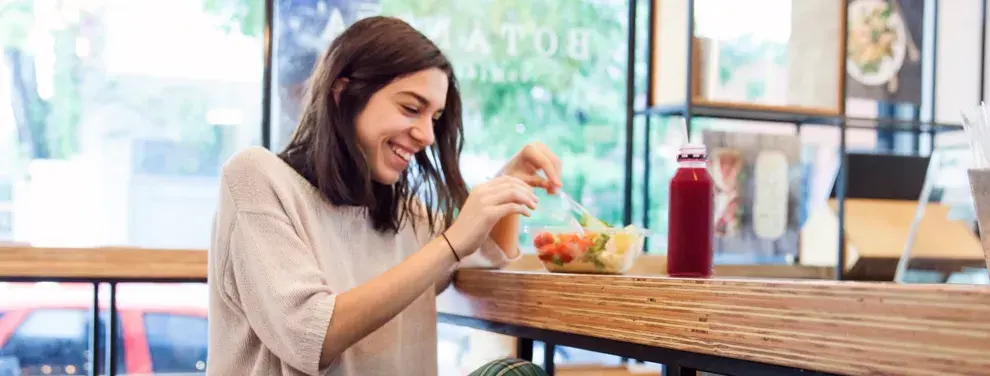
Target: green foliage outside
(47, 127)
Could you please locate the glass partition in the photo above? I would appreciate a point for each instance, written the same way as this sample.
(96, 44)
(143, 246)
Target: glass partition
(941, 242)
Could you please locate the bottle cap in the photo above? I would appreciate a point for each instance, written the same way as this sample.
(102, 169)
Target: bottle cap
(696, 152)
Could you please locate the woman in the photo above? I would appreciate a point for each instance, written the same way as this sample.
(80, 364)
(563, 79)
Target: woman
(324, 260)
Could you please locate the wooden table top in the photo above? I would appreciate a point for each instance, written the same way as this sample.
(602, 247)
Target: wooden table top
(854, 328)
(109, 263)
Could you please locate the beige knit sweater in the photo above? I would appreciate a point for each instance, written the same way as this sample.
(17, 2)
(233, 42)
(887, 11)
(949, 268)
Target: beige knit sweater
(280, 255)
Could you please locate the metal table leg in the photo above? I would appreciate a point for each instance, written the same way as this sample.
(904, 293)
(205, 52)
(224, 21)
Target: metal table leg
(524, 349)
(675, 370)
(549, 350)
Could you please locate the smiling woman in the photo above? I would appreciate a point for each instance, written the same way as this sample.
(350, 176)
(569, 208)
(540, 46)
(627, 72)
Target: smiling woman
(327, 258)
(380, 125)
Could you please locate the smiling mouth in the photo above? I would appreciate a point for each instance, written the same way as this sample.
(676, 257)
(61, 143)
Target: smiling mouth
(402, 152)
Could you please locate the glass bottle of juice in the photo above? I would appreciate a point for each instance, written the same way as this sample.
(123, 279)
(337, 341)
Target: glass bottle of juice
(691, 221)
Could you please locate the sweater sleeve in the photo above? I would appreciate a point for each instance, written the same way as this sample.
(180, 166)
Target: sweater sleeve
(281, 288)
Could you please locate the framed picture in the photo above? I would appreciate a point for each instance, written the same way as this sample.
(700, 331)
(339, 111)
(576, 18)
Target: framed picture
(789, 59)
(883, 58)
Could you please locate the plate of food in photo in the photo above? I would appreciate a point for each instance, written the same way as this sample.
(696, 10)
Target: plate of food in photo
(876, 42)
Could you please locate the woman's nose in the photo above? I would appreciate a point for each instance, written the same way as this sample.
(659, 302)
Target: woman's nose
(422, 132)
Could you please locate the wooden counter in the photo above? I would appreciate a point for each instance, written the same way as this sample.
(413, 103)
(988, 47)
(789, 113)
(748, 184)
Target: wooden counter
(821, 326)
(852, 328)
(108, 264)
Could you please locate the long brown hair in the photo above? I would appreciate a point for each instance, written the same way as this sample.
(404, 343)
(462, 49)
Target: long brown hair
(370, 54)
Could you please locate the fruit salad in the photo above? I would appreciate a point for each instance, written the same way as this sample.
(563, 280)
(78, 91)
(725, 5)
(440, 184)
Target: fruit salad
(596, 248)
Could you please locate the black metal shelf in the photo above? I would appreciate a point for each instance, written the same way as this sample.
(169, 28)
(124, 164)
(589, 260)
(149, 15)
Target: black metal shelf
(773, 116)
(900, 125)
(735, 113)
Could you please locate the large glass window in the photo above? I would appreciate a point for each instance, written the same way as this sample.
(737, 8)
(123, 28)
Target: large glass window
(548, 70)
(114, 120)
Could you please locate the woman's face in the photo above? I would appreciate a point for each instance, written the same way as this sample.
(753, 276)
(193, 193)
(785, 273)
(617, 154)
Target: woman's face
(398, 121)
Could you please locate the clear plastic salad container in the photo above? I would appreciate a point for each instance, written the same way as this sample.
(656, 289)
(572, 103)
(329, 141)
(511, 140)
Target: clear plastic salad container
(608, 250)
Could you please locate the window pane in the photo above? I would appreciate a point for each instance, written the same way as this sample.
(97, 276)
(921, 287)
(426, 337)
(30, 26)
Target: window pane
(173, 319)
(114, 122)
(176, 342)
(51, 328)
(46, 340)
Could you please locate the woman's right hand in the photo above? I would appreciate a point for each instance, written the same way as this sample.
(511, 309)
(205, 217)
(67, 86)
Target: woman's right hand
(485, 206)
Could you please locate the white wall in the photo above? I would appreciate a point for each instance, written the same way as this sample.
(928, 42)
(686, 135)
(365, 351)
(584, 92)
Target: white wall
(957, 71)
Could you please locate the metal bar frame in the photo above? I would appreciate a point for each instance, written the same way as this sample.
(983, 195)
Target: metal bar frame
(647, 123)
(689, 91)
(627, 195)
(674, 370)
(840, 180)
(934, 78)
(983, 56)
(111, 339)
(95, 356)
(524, 349)
(549, 350)
(267, 78)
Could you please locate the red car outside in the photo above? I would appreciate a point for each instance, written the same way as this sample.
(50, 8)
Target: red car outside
(45, 327)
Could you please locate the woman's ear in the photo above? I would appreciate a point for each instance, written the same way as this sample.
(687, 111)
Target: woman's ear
(338, 87)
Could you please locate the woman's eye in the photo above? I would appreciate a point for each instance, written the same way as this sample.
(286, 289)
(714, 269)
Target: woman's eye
(411, 110)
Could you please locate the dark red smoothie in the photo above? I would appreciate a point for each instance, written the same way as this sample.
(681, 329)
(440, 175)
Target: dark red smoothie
(691, 222)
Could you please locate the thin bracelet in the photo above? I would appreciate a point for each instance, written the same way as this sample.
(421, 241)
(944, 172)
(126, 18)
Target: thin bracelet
(452, 250)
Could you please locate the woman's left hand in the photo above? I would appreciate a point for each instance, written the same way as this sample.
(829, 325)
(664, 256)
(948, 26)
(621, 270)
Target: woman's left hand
(532, 159)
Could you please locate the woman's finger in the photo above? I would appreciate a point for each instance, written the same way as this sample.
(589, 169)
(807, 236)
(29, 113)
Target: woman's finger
(526, 182)
(542, 161)
(558, 166)
(511, 208)
(537, 181)
(523, 185)
(513, 195)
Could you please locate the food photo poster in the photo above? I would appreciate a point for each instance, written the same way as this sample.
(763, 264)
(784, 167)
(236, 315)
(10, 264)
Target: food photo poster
(757, 189)
(883, 50)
